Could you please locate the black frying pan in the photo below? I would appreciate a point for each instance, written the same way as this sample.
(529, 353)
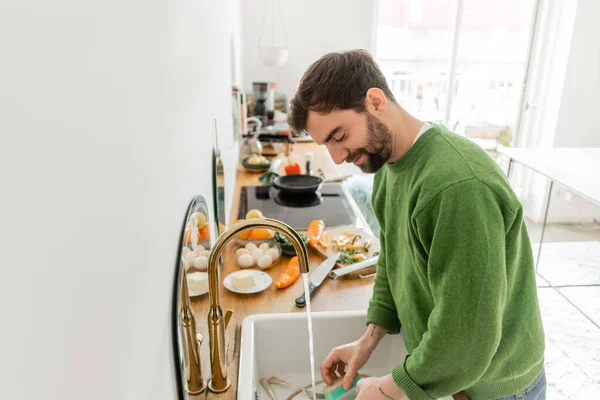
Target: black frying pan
(298, 184)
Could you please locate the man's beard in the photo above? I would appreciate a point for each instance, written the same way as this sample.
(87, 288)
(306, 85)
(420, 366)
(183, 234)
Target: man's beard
(378, 149)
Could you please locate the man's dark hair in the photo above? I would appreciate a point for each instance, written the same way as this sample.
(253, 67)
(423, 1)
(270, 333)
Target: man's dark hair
(337, 81)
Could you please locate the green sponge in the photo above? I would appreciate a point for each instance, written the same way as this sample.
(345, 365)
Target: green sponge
(336, 390)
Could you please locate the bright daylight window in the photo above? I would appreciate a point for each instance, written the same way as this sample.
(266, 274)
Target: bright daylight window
(483, 60)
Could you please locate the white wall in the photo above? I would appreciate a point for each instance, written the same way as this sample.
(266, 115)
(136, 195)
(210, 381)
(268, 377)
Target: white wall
(314, 28)
(578, 123)
(105, 121)
(229, 140)
(579, 119)
(550, 55)
(236, 62)
(566, 86)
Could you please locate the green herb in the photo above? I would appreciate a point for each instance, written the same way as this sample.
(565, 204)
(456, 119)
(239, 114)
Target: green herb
(345, 259)
(286, 242)
(375, 254)
(346, 256)
(355, 238)
(351, 252)
(268, 178)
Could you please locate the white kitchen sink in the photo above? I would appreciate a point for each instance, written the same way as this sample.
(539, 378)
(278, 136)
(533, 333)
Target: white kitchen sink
(277, 345)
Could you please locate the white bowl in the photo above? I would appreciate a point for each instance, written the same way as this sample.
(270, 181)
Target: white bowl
(274, 56)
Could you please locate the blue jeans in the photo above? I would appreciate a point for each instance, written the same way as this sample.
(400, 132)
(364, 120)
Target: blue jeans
(535, 391)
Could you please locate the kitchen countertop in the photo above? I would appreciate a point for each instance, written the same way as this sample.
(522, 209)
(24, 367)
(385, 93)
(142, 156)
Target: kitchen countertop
(333, 295)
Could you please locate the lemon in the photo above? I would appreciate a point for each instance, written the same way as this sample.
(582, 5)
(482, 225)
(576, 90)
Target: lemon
(254, 214)
(201, 218)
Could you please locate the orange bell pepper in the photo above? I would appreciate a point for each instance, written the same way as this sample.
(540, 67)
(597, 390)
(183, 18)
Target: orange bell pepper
(261, 234)
(204, 233)
(315, 231)
(244, 235)
(289, 275)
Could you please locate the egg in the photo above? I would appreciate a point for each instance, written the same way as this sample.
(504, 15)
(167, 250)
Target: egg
(199, 249)
(251, 247)
(274, 252)
(205, 253)
(201, 263)
(245, 260)
(256, 254)
(265, 261)
(190, 258)
(185, 251)
(264, 247)
(241, 251)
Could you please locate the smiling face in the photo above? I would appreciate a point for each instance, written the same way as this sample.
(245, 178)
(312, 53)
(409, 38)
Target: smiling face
(350, 136)
(344, 102)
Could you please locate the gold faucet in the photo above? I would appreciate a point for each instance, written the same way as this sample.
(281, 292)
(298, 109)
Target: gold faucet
(217, 322)
(191, 340)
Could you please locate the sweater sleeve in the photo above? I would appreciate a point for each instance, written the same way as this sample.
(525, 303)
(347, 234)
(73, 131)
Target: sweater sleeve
(382, 310)
(463, 232)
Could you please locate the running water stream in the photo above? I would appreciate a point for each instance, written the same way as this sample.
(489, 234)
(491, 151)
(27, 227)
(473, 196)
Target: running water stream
(311, 344)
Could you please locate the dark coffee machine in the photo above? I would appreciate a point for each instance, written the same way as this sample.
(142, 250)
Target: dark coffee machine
(260, 97)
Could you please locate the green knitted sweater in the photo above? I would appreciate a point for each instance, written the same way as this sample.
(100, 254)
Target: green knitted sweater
(455, 272)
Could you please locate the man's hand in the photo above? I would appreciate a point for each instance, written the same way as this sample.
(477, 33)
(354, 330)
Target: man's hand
(383, 388)
(353, 355)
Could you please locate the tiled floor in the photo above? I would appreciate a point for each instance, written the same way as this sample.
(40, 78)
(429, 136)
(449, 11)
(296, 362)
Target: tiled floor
(571, 318)
(541, 282)
(564, 232)
(572, 349)
(587, 299)
(570, 263)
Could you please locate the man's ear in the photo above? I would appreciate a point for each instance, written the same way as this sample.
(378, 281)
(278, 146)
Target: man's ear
(376, 102)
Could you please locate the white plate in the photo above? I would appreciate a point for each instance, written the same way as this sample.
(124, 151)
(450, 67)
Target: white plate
(262, 279)
(194, 293)
(335, 232)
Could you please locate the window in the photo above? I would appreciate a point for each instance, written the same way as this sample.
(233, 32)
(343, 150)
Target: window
(457, 62)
